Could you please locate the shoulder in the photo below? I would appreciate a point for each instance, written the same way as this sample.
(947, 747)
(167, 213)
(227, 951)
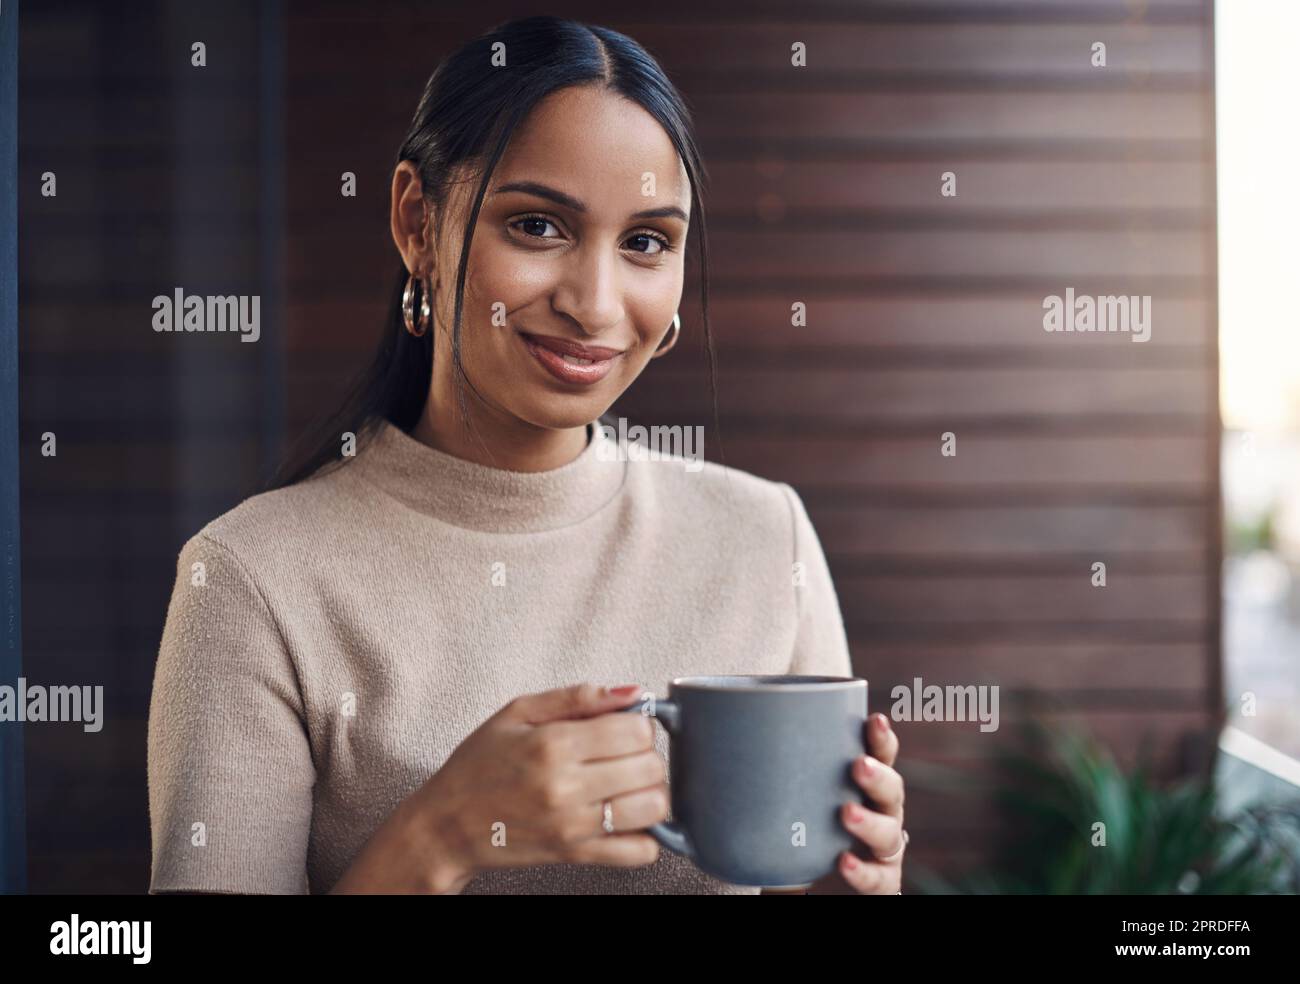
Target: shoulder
(273, 526)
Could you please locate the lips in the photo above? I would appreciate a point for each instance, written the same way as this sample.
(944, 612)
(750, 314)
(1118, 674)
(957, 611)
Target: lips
(568, 361)
(592, 353)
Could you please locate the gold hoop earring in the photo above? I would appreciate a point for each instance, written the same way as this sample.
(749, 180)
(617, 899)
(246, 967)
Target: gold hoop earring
(677, 330)
(408, 307)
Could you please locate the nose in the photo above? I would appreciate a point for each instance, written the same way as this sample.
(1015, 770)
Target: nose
(591, 290)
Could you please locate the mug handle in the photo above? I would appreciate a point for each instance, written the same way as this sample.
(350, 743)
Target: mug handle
(669, 833)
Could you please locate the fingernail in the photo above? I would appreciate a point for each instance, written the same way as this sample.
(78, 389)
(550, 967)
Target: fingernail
(867, 767)
(623, 691)
(882, 723)
(856, 812)
(850, 861)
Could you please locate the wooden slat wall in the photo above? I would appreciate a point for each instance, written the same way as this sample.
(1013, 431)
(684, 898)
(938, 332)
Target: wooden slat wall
(159, 167)
(924, 316)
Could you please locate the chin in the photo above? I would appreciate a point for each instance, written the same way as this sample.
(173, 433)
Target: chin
(563, 414)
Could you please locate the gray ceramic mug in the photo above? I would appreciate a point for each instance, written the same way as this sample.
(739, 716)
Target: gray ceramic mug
(760, 768)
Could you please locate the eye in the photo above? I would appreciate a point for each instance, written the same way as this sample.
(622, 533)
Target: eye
(652, 237)
(533, 222)
(534, 227)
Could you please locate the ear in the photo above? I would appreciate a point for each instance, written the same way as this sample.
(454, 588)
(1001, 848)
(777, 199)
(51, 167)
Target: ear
(412, 220)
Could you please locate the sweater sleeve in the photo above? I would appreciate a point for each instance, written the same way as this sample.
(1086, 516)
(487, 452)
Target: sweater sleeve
(821, 647)
(229, 763)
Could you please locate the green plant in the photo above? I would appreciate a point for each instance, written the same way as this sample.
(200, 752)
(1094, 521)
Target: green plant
(1159, 838)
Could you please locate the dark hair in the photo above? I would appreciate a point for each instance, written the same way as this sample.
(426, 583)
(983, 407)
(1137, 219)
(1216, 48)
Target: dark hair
(470, 107)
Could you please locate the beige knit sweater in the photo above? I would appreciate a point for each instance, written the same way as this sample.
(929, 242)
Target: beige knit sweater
(329, 644)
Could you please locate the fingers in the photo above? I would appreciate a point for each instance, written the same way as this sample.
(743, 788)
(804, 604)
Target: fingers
(630, 812)
(880, 832)
(870, 877)
(618, 850)
(599, 781)
(588, 843)
(880, 829)
(608, 736)
(881, 783)
(881, 740)
(583, 763)
(582, 700)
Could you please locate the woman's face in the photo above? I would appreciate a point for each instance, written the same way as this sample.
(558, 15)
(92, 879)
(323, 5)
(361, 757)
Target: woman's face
(580, 240)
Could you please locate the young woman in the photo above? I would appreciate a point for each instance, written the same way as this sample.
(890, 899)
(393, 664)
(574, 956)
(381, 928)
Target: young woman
(384, 674)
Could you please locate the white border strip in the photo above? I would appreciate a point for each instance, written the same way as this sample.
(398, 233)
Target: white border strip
(1263, 756)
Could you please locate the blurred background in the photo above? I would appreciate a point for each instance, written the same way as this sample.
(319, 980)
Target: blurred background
(1172, 461)
(1259, 348)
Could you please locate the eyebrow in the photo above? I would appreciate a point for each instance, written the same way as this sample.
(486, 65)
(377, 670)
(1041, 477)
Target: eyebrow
(571, 203)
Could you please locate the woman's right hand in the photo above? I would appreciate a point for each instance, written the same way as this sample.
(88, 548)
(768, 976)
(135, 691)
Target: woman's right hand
(527, 788)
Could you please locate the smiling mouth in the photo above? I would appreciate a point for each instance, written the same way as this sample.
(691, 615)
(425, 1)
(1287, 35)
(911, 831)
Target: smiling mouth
(570, 362)
(574, 350)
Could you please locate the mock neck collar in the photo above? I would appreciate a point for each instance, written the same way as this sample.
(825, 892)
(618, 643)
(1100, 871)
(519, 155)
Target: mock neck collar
(480, 497)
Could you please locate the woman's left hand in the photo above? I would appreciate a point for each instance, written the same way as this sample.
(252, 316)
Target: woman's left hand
(879, 828)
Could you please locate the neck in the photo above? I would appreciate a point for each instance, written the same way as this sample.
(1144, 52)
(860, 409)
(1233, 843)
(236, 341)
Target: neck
(494, 438)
